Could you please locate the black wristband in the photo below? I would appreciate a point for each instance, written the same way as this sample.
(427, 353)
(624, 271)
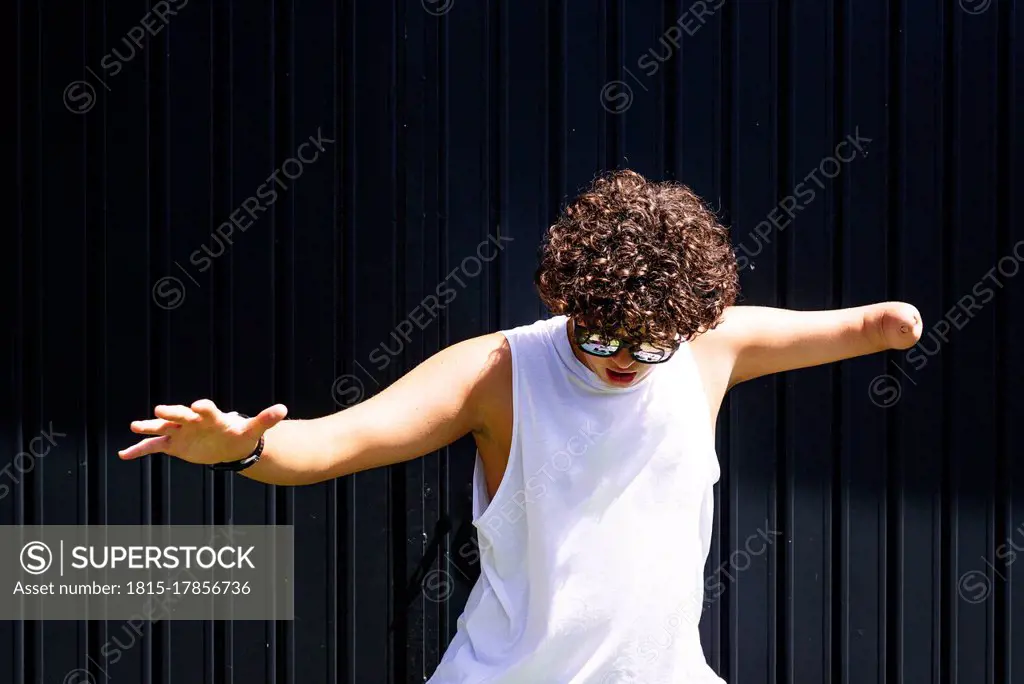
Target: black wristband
(250, 460)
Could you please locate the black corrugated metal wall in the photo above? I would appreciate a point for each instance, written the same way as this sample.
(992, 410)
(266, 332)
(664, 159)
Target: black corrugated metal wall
(894, 480)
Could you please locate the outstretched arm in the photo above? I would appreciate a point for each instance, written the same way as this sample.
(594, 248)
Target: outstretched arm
(752, 341)
(434, 404)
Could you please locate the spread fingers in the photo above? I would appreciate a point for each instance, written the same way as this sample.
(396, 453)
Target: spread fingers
(156, 426)
(176, 414)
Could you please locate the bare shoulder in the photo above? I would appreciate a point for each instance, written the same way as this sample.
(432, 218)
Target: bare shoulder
(718, 347)
(494, 405)
(714, 353)
(454, 392)
(493, 391)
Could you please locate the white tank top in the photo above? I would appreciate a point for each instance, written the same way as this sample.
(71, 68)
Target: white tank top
(592, 552)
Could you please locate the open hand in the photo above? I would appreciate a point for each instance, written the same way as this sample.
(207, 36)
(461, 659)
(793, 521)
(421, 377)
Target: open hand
(201, 433)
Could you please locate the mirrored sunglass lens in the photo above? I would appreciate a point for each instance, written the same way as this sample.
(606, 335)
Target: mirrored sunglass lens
(650, 353)
(597, 344)
(600, 348)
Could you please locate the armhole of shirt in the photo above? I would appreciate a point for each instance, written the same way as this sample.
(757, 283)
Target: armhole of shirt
(697, 382)
(513, 457)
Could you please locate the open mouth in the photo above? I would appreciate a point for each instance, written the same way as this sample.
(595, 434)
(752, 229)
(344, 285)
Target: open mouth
(620, 378)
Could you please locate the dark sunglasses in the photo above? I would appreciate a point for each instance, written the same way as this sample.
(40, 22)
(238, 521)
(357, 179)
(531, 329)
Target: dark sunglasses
(598, 344)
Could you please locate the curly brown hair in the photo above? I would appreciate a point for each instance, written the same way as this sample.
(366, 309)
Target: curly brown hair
(645, 257)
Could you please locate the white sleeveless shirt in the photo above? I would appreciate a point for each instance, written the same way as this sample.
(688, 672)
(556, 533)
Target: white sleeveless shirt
(593, 549)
